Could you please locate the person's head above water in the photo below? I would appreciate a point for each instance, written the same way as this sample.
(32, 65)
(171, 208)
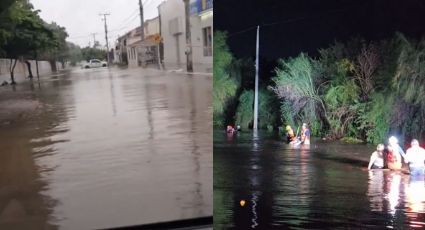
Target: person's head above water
(393, 140)
(414, 142)
(380, 147)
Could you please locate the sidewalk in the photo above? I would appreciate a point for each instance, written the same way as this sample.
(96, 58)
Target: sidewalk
(198, 69)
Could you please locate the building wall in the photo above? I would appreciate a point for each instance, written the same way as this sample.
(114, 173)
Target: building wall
(134, 51)
(172, 31)
(152, 26)
(21, 71)
(174, 39)
(198, 23)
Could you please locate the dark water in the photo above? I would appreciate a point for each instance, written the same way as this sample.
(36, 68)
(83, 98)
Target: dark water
(107, 149)
(324, 187)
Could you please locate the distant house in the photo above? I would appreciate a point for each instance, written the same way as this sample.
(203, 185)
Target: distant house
(172, 23)
(144, 52)
(120, 54)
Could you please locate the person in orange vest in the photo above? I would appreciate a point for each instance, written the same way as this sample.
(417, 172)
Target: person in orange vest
(290, 135)
(395, 154)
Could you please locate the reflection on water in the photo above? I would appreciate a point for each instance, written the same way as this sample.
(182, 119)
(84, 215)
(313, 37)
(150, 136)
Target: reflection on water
(324, 186)
(110, 148)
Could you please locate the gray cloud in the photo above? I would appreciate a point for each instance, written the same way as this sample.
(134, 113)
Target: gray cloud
(81, 17)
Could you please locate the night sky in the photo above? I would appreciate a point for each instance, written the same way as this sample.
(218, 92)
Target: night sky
(316, 23)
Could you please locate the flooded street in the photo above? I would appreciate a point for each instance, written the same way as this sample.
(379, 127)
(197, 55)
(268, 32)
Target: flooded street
(261, 183)
(107, 148)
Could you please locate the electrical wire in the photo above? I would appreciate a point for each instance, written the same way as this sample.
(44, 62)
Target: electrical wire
(291, 20)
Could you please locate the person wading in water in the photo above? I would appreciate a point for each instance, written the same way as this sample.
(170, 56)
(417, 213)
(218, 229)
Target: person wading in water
(395, 154)
(415, 156)
(305, 135)
(377, 158)
(290, 135)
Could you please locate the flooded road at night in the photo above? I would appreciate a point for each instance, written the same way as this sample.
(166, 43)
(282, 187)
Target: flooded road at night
(261, 183)
(107, 148)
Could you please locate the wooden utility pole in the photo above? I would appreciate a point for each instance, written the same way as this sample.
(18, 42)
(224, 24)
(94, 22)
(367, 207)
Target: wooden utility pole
(142, 32)
(106, 36)
(189, 64)
(94, 39)
(255, 125)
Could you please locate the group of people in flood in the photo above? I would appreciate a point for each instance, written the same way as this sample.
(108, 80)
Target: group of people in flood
(392, 157)
(293, 138)
(230, 129)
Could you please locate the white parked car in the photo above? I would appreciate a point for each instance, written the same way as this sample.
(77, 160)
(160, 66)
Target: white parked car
(94, 63)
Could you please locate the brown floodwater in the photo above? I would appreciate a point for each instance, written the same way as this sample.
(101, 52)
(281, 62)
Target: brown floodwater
(262, 183)
(107, 148)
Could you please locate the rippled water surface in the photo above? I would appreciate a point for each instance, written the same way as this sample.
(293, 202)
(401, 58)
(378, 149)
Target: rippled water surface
(108, 148)
(323, 187)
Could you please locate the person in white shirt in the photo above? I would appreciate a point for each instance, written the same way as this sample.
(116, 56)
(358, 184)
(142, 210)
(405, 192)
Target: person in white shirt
(415, 156)
(377, 158)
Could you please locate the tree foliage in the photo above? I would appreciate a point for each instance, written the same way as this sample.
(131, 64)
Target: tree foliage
(93, 53)
(355, 90)
(366, 90)
(224, 86)
(24, 35)
(295, 84)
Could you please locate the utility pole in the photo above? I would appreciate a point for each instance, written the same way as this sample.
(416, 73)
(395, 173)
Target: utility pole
(142, 21)
(94, 39)
(142, 32)
(106, 35)
(189, 64)
(255, 126)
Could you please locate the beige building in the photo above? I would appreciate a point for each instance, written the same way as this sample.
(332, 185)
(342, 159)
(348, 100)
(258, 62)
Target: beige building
(132, 51)
(172, 23)
(141, 53)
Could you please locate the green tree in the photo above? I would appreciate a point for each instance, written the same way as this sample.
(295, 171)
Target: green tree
(93, 53)
(295, 85)
(224, 86)
(6, 22)
(24, 35)
(74, 53)
(59, 49)
(23, 29)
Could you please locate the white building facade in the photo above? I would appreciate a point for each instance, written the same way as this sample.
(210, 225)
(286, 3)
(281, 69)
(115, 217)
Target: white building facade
(173, 32)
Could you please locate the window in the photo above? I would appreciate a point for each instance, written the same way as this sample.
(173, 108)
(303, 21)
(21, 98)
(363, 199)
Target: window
(207, 40)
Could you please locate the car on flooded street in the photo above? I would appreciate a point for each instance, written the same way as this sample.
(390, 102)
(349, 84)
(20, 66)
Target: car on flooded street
(94, 63)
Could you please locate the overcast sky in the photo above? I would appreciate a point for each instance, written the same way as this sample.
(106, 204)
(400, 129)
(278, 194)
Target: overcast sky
(81, 17)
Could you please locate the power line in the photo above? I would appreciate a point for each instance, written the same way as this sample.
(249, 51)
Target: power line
(126, 20)
(286, 21)
(242, 31)
(300, 18)
(148, 2)
(121, 28)
(134, 15)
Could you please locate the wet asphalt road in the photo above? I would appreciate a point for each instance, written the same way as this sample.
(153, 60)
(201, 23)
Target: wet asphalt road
(107, 148)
